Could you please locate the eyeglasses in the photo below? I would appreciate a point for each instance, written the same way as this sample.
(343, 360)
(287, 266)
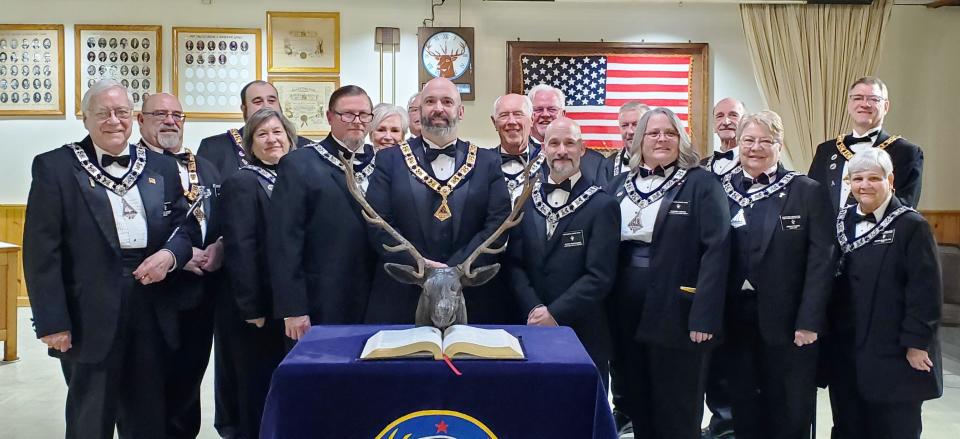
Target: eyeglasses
(671, 135)
(871, 99)
(350, 117)
(120, 113)
(749, 142)
(551, 110)
(162, 115)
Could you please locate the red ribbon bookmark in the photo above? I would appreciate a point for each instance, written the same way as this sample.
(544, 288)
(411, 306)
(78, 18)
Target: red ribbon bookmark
(450, 364)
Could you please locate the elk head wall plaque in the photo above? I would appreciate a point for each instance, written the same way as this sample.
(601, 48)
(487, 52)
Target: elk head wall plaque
(447, 52)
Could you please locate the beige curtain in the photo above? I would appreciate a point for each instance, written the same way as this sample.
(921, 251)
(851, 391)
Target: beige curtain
(804, 58)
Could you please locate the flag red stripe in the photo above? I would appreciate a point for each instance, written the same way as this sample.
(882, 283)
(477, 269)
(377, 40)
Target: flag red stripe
(650, 102)
(603, 144)
(645, 74)
(648, 88)
(595, 129)
(648, 59)
(605, 116)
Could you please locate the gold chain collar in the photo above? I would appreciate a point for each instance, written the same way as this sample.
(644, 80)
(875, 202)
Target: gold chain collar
(847, 154)
(443, 212)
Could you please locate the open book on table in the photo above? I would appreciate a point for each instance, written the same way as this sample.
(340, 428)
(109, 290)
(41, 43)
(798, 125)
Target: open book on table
(458, 341)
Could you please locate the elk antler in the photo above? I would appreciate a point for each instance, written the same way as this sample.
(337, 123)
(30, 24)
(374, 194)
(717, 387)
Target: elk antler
(463, 48)
(375, 219)
(516, 215)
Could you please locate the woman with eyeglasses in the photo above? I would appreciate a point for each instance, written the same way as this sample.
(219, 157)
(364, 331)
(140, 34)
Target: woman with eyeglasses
(389, 126)
(781, 272)
(267, 137)
(669, 295)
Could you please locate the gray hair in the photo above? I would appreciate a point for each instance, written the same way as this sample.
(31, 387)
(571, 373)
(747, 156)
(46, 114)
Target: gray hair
(766, 119)
(410, 101)
(99, 88)
(259, 118)
(527, 106)
(544, 87)
(871, 159)
(633, 106)
(384, 110)
(688, 157)
(870, 80)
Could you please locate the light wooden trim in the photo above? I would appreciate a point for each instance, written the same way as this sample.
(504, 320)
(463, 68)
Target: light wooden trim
(11, 230)
(945, 225)
(9, 258)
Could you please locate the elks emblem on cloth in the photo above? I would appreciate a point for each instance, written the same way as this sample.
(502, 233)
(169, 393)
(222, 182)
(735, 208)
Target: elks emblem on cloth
(436, 424)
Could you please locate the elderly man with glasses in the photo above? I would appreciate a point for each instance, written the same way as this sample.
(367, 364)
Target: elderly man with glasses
(105, 224)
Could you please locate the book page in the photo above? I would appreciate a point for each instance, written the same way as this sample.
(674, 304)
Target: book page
(402, 342)
(477, 342)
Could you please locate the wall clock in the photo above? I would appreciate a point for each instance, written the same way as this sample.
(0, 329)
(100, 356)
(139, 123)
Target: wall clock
(447, 52)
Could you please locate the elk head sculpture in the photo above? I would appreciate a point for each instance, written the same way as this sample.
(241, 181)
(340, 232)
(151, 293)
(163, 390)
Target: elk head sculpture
(445, 60)
(441, 302)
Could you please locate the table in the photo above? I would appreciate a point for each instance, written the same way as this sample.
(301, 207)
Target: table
(9, 271)
(322, 389)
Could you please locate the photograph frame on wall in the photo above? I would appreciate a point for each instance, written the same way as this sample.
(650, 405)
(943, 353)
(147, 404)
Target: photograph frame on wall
(117, 51)
(697, 95)
(298, 42)
(37, 69)
(305, 101)
(236, 60)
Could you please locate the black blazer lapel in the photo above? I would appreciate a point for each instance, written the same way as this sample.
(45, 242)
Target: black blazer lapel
(667, 200)
(421, 194)
(882, 136)
(772, 216)
(150, 185)
(99, 204)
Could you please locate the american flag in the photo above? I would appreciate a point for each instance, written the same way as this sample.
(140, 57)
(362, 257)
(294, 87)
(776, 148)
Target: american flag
(597, 85)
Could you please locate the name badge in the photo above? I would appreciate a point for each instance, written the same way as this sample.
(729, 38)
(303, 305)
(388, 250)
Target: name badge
(166, 208)
(679, 208)
(216, 190)
(791, 222)
(572, 239)
(886, 237)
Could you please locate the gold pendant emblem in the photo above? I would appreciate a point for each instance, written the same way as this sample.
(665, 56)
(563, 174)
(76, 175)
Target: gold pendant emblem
(443, 212)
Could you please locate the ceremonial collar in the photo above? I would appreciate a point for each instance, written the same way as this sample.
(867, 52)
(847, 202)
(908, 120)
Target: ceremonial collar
(771, 172)
(553, 216)
(237, 137)
(883, 224)
(97, 175)
(642, 200)
(443, 212)
(753, 197)
(573, 179)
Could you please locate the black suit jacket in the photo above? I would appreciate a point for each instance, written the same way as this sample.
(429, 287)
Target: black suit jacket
(247, 207)
(907, 169)
(71, 253)
(613, 164)
(320, 260)
(792, 255)
(480, 203)
(896, 293)
(222, 152)
(573, 271)
(691, 249)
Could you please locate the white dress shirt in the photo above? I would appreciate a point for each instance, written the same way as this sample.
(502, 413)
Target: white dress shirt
(443, 165)
(771, 173)
(559, 197)
(132, 231)
(863, 227)
(855, 148)
(722, 165)
(648, 216)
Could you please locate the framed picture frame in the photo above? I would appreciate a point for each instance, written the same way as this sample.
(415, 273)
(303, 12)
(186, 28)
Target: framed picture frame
(676, 76)
(211, 66)
(303, 42)
(130, 54)
(305, 101)
(31, 70)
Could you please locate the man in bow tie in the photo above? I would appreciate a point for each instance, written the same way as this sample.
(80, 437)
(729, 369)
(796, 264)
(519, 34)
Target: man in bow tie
(413, 111)
(161, 130)
(562, 270)
(867, 105)
(445, 196)
(726, 115)
(316, 221)
(627, 118)
(549, 103)
(512, 119)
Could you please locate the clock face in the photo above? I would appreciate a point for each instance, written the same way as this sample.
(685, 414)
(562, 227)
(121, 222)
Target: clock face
(446, 55)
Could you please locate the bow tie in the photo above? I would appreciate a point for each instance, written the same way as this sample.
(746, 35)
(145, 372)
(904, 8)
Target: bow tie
(550, 187)
(183, 157)
(107, 160)
(659, 170)
(625, 158)
(849, 139)
(519, 158)
(432, 153)
(358, 156)
(748, 182)
(717, 155)
(870, 218)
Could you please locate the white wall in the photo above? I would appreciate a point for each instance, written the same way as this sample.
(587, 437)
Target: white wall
(495, 23)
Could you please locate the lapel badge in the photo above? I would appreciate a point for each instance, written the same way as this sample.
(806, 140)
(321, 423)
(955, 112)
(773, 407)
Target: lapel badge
(833, 166)
(151, 180)
(833, 157)
(782, 195)
(93, 184)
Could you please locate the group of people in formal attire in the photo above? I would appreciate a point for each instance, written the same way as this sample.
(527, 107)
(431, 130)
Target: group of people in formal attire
(729, 275)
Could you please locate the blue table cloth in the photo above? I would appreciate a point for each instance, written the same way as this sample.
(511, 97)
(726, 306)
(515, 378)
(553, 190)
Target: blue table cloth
(322, 390)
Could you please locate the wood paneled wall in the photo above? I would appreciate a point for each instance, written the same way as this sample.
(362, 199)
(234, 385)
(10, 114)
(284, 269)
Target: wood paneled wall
(945, 223)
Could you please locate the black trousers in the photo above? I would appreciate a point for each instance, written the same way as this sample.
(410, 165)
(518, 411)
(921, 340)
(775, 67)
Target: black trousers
(185, 369)
(773, 386)
(126, 389)
(718, 391)
(227, 329)
(664, 385)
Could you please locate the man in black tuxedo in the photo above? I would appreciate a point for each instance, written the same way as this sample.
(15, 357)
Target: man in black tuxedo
(161, 130)
(782, 267)
(867, 104)
(104, 226)
(627, 118)
(512, 119)
(562, 259)
(413, 113)
(225, 150)
(549, 103)
(726, 115)
(891, 291)
(446, 196)
(320, 261)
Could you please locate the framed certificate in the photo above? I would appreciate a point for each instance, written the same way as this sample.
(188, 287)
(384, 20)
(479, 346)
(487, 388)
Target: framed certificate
(31, 69)
(305, 101)
(129, 54)
(211, 66)
(303, 42)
